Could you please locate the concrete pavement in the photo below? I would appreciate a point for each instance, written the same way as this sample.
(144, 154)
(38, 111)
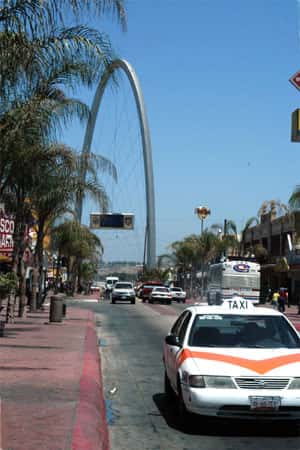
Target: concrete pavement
(51, 384)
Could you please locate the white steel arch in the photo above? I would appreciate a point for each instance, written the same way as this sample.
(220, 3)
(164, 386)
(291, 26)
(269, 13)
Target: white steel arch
(150, 239)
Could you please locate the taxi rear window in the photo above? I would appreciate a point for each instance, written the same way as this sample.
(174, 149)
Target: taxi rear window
(225, 330)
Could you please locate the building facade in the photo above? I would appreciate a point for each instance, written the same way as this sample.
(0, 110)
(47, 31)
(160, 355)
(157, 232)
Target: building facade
(279, 238)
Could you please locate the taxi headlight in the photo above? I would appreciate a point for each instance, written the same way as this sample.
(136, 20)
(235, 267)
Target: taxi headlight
(204, 381)
(295, 384)
(196, 381)
(219, 382)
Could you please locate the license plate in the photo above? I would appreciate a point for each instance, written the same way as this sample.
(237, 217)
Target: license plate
(264, 403)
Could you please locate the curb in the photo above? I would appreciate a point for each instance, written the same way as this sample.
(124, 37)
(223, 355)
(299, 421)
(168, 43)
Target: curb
(90, 431)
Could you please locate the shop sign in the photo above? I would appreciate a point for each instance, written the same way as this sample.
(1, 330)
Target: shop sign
(7, 226)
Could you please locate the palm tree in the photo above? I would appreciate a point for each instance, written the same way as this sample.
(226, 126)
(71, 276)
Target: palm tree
(39, 56)
(27, 33)
(294, 199)
(275, 207)
(249, 223)
(55, 191)
(229, 235)
(75, 242)
(37, 62)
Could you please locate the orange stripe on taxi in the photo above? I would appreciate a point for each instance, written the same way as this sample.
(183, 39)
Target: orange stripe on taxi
(260, 366)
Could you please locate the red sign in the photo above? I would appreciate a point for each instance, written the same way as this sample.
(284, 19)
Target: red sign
(7, 225)
(295, 80)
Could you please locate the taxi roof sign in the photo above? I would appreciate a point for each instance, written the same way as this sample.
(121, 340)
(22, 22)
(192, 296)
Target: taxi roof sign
(237, 303)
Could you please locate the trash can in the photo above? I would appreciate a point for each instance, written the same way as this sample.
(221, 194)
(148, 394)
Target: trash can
(64, 308)
(2, 325)
(56, 308)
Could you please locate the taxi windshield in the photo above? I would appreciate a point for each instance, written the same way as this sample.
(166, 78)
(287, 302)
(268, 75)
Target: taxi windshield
(225, 330)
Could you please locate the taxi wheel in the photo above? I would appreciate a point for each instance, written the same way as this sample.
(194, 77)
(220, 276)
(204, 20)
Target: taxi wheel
(170, 394)
(184, 415)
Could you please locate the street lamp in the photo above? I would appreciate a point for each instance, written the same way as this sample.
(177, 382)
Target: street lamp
(202, 212)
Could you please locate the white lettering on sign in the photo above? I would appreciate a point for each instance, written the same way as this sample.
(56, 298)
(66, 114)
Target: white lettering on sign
(238, 304)
(7, 226)
(6, 241)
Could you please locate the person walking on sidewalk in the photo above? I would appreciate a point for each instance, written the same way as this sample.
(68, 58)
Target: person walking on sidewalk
(274, 301)
(281, 300)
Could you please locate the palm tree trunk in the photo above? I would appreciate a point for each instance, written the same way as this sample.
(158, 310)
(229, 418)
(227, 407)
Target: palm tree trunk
(40, 261)
(34, 285)
(22, 290)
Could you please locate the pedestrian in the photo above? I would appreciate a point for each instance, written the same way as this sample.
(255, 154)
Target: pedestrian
(287, 298)
(281, 300)
(269, 296)
(274, 301)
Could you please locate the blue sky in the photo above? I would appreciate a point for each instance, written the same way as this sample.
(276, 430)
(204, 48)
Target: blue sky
(214, 76)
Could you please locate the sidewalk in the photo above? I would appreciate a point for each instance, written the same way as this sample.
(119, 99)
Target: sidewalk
(51, 385)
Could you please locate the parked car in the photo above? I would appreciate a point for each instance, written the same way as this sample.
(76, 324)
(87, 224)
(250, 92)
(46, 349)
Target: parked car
(178, 294)
(97, 286)
(160, 294)
(123, 291)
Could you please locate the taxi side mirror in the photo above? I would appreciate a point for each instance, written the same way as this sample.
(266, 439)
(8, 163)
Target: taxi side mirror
(171, 339)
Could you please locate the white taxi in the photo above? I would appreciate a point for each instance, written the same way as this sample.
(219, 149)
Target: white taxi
(235, 360)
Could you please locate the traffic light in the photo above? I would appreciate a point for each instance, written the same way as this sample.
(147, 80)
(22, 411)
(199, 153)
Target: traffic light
(112, 221)
(296, 126)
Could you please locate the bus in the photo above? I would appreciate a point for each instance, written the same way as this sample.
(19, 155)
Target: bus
(241, 277)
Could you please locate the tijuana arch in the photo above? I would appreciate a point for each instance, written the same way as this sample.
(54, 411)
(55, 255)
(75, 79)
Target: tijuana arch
(150, 236)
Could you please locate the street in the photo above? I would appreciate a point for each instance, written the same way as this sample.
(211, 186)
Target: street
(139, 418)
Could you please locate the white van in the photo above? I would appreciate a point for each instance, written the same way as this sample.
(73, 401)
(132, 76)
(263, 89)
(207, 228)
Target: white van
(110, 282)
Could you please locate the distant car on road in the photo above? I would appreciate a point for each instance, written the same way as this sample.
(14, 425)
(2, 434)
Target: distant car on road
(160, 294)
(146, 288)
(123, 291)
(97, 286)
(178, 294)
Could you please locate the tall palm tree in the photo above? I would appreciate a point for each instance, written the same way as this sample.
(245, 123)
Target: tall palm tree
(38, 59)
(27, 31)
(55, 192)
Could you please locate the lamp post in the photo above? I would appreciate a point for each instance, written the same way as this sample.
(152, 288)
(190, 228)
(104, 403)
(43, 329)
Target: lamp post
(202, 212)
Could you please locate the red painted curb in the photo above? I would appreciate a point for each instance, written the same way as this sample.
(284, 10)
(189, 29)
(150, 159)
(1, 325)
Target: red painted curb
(90, 430)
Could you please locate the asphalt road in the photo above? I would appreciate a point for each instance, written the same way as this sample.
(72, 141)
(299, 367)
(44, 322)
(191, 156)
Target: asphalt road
(130, 343)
